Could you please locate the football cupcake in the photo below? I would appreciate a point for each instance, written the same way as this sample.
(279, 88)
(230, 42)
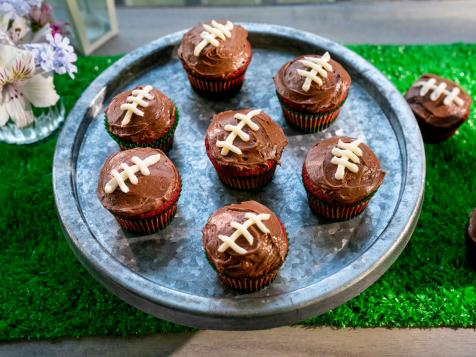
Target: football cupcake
(142, 117)
(440, 106)
(340, 175)
(246, 244)
(215, 56)
(140, 187)
(312, 90)
(244, 146)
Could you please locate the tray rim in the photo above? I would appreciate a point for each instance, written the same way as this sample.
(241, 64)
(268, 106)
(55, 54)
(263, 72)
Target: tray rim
(241, 312)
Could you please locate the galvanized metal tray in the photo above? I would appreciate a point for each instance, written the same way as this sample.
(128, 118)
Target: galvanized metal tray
(167, 274)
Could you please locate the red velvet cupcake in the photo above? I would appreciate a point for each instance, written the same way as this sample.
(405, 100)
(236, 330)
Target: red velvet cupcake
(245, 147)
(140, 187)
(440, 106)
(142, 117)
(215, 56)
(340, 175)
(312, 90)
(246, 243)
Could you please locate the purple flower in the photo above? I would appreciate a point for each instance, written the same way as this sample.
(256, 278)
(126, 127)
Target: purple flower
(57, 55)
(18, 7)
(64, 54)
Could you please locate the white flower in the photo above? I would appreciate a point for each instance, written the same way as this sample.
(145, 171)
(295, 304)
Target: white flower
(21, 87)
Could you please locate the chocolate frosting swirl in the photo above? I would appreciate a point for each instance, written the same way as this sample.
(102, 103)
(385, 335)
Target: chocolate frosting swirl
(159, 118)
(265, 255)
(149, 194)
(354, 187)
(215, 62)
(435, 113)
(319, 98)
(267, 143)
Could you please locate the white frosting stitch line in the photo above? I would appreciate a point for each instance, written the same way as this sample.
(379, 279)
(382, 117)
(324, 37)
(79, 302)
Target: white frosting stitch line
(438, 90)
(318, 66)
(236, 130)
(129, 172)
(134, 100)
(242, 230)
(211, 33)
(344, 153)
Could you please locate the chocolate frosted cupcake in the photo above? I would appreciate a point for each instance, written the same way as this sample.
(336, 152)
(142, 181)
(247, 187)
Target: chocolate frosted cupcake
(140, 187)
(312, 90)
(244, 146)
(215, 56)
(340, 175)
(246, 244)
(440, 106)
(142, 117)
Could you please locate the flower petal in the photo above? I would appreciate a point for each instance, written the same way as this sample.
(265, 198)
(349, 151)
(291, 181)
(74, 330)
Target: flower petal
(20, 112)
(39, 90)
(3, 115)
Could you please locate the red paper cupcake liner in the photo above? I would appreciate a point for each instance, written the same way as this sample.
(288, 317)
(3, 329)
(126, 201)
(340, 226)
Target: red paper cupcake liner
(319, 204)
(150, 224)
(155, 220)
(210, 88)
(311, 122)
(247, 182)
(434, 134)
(219, 88)
(244, 179)
(334, 212)
(308, 122)
(248, 284)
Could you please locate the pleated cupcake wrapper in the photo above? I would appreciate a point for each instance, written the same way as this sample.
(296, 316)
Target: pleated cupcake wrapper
(310, 122)
(165, 143)
(335, 212)
(434, 134)
(247, 182)
(150, 224)
(216, 88)
(248, 284)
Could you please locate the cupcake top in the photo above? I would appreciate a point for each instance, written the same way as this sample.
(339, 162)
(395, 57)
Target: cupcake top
(215, 49)
(312, 83)
(343, 169)
(438, 101)
(245, 240)
(143, 114)
(137, 181)
(245, 138)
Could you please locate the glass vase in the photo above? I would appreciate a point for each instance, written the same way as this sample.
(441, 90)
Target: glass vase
(46, 122)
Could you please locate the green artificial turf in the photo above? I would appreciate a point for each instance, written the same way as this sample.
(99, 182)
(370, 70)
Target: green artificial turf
(46, 293)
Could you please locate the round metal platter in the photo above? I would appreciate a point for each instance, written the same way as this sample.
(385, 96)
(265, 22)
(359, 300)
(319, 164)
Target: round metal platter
(166, 274)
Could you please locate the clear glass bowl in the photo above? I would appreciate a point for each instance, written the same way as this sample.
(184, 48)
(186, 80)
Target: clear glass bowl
(45, 124)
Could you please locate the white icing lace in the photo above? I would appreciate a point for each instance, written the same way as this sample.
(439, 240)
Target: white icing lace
(438, 90)
(134, 100)
(318, 67)
(209, 36)
(344, 153)
(242, 230)
(129, 172)
(236, 130)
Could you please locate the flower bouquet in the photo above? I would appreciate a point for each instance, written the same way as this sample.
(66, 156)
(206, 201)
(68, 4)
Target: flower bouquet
(32, 49)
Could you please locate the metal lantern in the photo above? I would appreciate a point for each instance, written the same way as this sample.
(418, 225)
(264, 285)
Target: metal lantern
(93, 22)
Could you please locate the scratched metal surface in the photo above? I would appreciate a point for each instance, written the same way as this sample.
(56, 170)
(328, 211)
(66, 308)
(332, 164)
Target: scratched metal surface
(167, 273)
